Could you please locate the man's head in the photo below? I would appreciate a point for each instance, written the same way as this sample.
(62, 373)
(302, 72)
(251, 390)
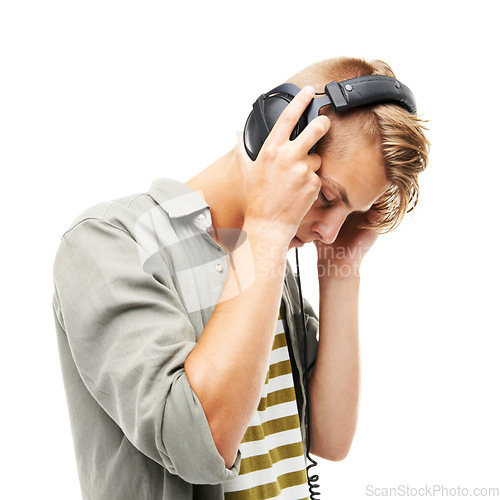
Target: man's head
(373, 154)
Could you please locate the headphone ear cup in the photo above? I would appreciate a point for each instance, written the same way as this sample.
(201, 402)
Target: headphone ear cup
(251, 137)
(254, 137)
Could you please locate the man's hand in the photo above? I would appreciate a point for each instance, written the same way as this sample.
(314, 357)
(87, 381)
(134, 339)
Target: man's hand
(335, 383)
(344, 256)
(281, 184)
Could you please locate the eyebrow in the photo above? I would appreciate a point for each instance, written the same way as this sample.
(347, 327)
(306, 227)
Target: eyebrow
(339, 189)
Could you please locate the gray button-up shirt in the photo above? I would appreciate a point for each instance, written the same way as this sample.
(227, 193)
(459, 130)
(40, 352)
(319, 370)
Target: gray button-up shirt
(136, 280)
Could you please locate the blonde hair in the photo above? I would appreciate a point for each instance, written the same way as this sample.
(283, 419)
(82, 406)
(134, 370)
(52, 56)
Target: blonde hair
(400, 135)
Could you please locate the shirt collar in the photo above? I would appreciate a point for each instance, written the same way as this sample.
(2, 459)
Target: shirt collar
(176, 198)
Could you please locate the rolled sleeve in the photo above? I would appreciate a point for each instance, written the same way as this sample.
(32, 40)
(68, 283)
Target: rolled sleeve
(129, 336)
(186, 433)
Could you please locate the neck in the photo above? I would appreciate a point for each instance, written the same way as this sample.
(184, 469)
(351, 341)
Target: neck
(221, 187)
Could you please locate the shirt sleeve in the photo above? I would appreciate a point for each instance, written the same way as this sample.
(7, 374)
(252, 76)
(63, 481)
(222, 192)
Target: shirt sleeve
(312, 334)
(129, 336)
(311, 321)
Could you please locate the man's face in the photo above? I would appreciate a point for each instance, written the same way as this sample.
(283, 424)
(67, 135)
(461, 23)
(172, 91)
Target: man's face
(350, 184)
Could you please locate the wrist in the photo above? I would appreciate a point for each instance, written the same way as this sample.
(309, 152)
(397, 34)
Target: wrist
(342, 290)
(338, 271)
(268, 234)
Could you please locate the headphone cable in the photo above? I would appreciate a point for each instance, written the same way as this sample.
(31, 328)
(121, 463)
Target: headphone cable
(312, 480)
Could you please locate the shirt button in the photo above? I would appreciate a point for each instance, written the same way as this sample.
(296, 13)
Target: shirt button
(202, 216)
(219, 268)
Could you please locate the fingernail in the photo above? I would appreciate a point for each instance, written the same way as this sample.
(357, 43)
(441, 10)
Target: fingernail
(309, 89)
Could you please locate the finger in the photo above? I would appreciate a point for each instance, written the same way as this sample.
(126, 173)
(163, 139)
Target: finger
(285, 124)
(373, 215)
(312, 133)
(314, 162)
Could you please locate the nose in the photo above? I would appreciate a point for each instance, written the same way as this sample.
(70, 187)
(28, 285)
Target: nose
(327, 227)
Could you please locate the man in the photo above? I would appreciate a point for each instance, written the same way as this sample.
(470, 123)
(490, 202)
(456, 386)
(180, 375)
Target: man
(178, 318)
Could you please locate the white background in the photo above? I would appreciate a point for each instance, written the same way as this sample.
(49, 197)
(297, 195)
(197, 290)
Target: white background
(98, 98)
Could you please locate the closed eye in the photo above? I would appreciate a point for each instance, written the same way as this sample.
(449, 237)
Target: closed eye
(325, 200)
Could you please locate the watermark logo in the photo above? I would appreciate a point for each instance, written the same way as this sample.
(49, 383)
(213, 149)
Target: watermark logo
(434, 490)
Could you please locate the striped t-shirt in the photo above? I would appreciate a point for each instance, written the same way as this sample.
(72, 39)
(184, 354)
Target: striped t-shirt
(272, 455)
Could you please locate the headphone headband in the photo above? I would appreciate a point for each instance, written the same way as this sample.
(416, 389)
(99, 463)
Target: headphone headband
(370, 89)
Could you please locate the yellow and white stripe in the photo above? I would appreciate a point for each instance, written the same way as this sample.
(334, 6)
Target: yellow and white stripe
(272, 455)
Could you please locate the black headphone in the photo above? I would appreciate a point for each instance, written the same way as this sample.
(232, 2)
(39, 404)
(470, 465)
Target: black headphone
(343, 96)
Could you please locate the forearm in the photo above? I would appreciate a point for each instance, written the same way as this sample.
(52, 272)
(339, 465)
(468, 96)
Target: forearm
(334, 388)
(228, 366)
